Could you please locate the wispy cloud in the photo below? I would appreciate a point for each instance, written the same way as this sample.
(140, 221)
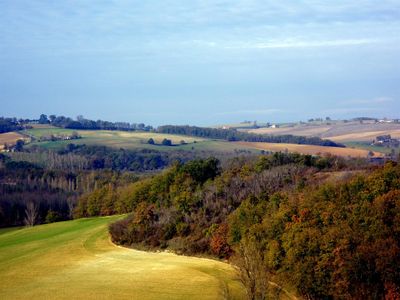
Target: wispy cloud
(310, 44)
(285, 43)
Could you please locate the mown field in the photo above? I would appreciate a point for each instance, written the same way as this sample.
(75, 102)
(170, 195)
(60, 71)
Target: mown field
(309, 149)
(76, 260)
(10, 138)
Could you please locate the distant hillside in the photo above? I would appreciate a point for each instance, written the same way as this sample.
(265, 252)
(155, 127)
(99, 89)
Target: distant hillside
(337, 131)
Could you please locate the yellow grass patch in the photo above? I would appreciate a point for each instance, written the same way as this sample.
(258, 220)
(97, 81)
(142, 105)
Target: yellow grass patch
(76, 260)
(365, 136)
(309, 149)
(10, 138)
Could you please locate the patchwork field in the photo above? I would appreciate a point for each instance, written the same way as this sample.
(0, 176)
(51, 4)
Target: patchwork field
(10, 138)
(117, 139)
(309, 149)
(138, 140)
(132, 140)
(76, 260)
(340, 132)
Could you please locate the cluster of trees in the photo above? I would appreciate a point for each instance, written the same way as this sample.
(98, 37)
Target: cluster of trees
(82, 123)
(333, 241)
(191, 199)
(9, 124)
(164, 142)
(87, 157)
(31, 194)
(284, 218)
(49, 181)
(235, 135)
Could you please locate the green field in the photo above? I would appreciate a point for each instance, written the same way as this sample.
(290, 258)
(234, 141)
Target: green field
(76, 260)
(130, 140)
(368, 146)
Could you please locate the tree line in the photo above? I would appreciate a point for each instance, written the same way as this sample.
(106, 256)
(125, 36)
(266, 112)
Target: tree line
(87, 124)
(9, 124)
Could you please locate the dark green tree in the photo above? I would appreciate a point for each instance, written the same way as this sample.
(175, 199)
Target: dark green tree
(43, 119)
(166, 142)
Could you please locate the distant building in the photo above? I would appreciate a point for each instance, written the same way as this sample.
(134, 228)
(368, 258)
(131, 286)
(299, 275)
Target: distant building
(386, 121)
(386, 140)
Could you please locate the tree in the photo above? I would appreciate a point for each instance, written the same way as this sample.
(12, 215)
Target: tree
(31, 214)
(150, 141)
(52, 118)
(19, 145)
(166, 142)
(252, 271)
(43, 119)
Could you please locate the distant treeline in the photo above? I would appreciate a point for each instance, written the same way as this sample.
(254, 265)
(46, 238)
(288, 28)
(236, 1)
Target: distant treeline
(9, 124)
(82, 123)
(235, 135)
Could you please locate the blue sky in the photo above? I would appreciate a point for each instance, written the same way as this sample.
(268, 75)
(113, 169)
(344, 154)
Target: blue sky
(200, 62)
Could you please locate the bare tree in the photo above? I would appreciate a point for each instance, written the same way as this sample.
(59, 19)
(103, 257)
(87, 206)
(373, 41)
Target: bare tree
(31, 214)
(252, 270)
(71, 204)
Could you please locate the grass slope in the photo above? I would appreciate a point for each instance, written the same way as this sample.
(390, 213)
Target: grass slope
(76, 260)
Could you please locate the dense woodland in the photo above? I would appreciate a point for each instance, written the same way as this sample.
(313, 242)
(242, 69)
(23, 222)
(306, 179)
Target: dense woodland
(325, 228)
(31, 194)
(52, 180)
(235, 135)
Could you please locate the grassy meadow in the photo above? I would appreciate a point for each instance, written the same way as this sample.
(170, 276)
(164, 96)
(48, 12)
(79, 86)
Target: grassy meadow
(131, 140)
(76, 260)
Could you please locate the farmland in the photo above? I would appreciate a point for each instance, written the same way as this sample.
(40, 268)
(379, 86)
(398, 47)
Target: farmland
(337, 131)
(75, 259)
(10, 138)
(131, 140)
(309, 149)
(138, 140)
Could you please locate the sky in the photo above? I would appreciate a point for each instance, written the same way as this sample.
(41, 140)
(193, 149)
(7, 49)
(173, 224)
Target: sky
(200, 62)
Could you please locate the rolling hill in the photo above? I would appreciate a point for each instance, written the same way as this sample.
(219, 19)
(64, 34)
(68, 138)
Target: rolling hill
(337, 131)
(76, 260)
